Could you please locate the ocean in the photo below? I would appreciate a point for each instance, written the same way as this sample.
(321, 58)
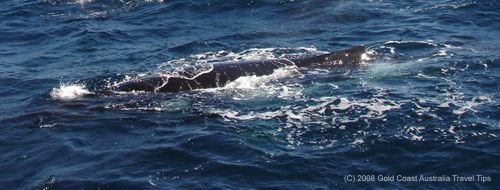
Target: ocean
(421, 111)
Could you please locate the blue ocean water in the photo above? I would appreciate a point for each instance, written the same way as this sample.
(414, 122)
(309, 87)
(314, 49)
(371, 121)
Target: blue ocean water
(425, 102)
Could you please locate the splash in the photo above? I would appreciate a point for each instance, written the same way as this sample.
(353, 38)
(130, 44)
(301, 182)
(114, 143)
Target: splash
(69, 91)
(255, 82)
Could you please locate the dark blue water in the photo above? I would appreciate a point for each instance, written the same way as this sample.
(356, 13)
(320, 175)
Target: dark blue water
(425, 102)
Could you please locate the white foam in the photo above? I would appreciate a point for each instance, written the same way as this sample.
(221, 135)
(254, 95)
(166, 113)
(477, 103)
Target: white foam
(254, 82)
(358, 141)
(466, 106)
(343, 105)
(428, 42)
(452, 129)
(230, 114)
(81, 2)
(441, 52)
(421, 75)
(69, 91)
(380, 106)
(49, 125)
(366, 57)
(444, 105)
(413, 133)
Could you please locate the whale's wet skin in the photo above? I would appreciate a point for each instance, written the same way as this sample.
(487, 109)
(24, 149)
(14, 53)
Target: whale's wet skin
(145, 94)
(220, 74)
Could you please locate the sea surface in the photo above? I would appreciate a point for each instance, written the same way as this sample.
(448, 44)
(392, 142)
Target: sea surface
(424, 102)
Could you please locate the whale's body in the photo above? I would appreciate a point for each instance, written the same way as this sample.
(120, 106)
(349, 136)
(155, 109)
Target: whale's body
(223, 73)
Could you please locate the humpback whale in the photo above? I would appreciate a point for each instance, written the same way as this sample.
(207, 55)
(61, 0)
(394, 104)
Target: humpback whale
(222, 73)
